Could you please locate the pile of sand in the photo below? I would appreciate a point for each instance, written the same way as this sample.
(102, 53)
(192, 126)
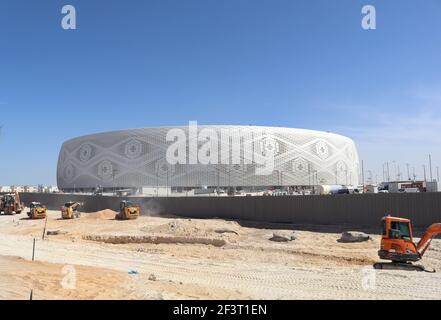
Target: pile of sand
(106, 214)
(176, 227)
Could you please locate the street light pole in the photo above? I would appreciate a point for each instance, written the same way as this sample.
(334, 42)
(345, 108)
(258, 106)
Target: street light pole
(437, 174)
(387, 169)
(309, 175)
(362, 173)
(430, 165)
(394, 167)
(384, 175)
(316, 178)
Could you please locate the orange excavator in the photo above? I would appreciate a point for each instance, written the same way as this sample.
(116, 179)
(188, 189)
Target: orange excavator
(397, 244)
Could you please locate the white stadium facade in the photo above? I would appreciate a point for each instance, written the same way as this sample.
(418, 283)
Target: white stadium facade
(207, 156)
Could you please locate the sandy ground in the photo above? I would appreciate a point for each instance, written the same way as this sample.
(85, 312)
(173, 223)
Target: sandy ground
(175, 264)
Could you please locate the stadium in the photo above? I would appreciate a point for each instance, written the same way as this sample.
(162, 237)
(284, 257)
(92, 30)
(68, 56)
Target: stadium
(211, 156)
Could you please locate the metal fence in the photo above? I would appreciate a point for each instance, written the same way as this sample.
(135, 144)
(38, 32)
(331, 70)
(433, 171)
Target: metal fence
(362, 209)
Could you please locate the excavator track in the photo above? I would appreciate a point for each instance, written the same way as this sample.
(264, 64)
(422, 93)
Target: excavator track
(401, 266)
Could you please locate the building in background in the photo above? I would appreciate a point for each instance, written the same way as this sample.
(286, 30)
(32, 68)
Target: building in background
(136, 159)
(410, 186)
(17, 189)
(5, 189)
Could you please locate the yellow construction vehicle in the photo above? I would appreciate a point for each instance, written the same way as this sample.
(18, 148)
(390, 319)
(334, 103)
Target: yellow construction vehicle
(11, 204)
(70, 210)
(37, 211)
(128, 211)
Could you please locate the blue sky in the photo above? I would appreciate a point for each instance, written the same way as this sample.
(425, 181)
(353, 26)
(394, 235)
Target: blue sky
(304, 63)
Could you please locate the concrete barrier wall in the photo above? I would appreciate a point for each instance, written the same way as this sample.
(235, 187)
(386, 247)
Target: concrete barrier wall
(363, 209)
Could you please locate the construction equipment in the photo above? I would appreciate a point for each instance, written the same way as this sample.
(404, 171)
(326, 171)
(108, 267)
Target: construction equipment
(37, 211)
(128, 211)
(397, 244)
(70, 210)
(11, 204)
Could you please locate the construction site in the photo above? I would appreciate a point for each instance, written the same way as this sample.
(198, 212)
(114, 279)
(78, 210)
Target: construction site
(130, 254)
(233, 151)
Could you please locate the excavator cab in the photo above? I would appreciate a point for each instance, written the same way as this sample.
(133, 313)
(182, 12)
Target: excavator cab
(397, 241)
(397, 229)
(128, 211)
(37, 211)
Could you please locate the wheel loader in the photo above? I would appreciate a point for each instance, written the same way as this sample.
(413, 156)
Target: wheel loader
(70, 210)
(128, 211)
(11, 204)
(37, 211)
(397, 244)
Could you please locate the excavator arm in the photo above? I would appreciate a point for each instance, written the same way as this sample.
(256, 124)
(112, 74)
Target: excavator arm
(425, 240)
(18, 201)
(17, 197)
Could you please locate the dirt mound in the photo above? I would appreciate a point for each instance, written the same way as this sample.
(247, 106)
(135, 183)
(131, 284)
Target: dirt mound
(177, 228)
(106, 214)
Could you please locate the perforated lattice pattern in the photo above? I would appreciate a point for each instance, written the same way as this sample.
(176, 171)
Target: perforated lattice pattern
(136, 158)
